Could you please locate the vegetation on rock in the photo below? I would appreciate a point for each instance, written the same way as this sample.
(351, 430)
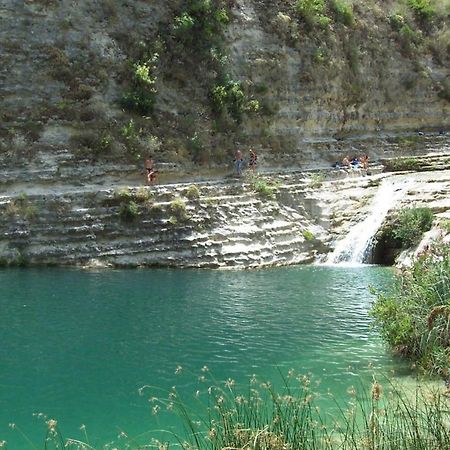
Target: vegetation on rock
(414, 318)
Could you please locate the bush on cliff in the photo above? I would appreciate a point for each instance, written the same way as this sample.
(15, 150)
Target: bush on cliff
(414, 319)
(408, 226)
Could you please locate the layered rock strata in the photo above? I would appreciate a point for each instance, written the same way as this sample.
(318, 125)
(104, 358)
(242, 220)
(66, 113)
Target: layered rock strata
(269, 220)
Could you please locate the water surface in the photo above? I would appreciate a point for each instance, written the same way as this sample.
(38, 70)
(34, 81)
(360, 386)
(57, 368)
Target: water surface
(78, 345)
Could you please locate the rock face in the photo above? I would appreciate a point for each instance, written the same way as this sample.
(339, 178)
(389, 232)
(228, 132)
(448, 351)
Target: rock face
(259, 220)
(66, 66)
(88, 88)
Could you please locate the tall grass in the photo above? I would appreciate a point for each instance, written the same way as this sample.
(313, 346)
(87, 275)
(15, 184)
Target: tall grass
(259, 417)
(414, 318)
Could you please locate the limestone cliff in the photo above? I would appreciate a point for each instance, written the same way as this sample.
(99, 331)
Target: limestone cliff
(261, 220)
(88, 88)
(90, 82)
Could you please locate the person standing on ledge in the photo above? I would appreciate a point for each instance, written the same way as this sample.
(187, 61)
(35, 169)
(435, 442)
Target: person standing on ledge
(238, 162)
(253, 159)
(151, 172)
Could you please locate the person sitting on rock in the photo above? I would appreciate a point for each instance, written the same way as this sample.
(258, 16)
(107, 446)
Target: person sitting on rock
(355, 162)
(346, 162)
(364, 161)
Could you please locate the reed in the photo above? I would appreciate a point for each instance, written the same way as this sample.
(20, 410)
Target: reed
(258, 416)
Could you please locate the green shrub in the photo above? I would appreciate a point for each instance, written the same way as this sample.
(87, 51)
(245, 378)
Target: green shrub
(132, 136)
(411, 224)
(138, 100)
(422, 9)
(142, 195)
(264, 187)
(414, 318)
(313, 12)
(444, 224)
(155, 210)
(343, 12)
(123, 194)
(230, 97)
(192, 192)
(200, 7)
(408, 226)
(200, 25)
(400, 164)
(409, 39)
(105, 143)
(316, 179)
(178, 209)
(141, 97)
(321, 55)
(396, 21)
(21, 207)
(200, 153)
(183, 24)
(128, 211)
(308, 235)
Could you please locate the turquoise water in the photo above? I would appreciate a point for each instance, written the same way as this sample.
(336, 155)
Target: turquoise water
(77, 345)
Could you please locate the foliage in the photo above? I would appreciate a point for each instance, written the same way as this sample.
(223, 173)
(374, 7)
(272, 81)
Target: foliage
(128, 211)
(444, 224)
(141, 97)
(142, 195)
(230, 97)
(200, 25)
(343, 12)
(313, 12)
(123, 194)
(21, 207)
(192, 192)
(132, 135)
(178, 209)
(408, 38)
(415, 317)
(400, 164)
(308, 235)
(261, 417)
(444, 89)
(396, 21)
(422, 9)
(265, 187)
(316, 179)
(183, 24)
(105, 143)
(408, 226)
(197, 148)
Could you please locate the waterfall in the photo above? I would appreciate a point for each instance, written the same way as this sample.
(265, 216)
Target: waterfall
(356, 246)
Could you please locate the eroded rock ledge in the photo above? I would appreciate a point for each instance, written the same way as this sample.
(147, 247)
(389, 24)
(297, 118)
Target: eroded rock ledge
(276, 219)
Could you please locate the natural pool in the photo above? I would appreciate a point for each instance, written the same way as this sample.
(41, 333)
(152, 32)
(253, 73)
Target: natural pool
(77, 345)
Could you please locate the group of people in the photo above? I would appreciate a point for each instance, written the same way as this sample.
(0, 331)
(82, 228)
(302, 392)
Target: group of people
(356, 162)
(239, 161)
(152, 172)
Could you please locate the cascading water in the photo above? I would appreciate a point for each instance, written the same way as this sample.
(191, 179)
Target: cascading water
(357, 245)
